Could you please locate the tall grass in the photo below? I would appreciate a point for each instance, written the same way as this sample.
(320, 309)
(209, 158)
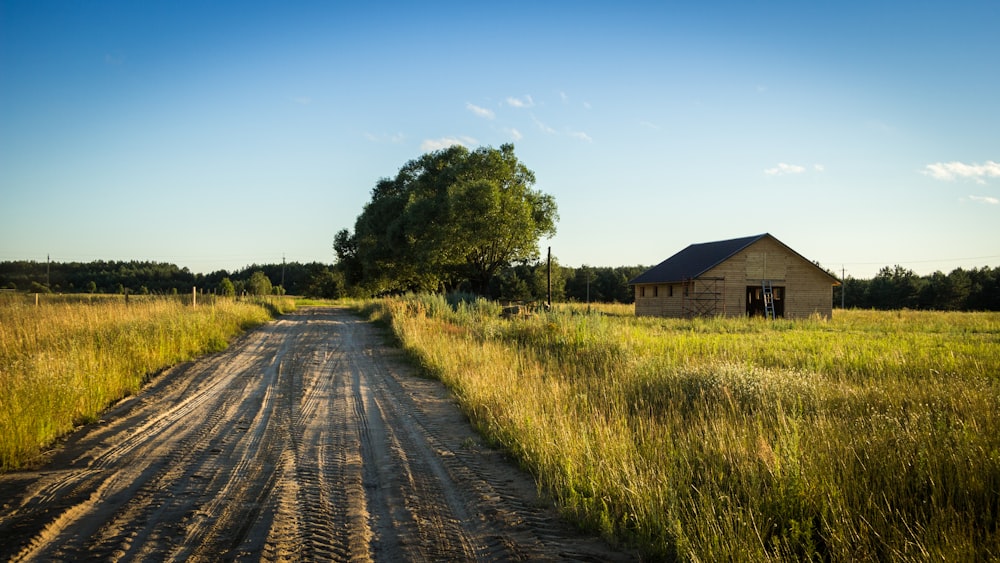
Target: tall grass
(64, 361)
(865, 436)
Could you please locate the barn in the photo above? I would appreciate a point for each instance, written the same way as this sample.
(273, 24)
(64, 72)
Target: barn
(749, 276)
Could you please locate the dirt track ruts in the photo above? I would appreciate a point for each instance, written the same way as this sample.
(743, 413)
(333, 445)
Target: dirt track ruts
(308, 439)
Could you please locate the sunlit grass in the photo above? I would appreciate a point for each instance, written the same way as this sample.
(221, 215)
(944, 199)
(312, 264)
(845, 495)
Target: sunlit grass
(324, 302)
(64, 361)
(871, 435)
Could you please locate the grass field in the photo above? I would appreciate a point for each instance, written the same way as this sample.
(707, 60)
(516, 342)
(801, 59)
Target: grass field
(66, 359)
(868, 436)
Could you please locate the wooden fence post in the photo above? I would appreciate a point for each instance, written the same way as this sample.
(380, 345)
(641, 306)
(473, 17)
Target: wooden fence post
(194, 296)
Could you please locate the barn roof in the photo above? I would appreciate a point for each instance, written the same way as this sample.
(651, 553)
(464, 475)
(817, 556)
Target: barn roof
(697, 259)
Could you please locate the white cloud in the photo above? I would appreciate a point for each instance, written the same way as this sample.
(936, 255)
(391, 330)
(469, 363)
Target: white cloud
(580, 135)
(542, 126)
(784, 168)
(819, 167)
(985, 199)
(515, 134)
(445, 142)
(649, 125)
(523, 102)
(481, 112)
(955, 169)
(302, 100)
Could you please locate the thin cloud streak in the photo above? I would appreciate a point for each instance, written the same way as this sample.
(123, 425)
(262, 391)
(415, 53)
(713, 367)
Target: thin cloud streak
(445, 142)
(542, 126)
(989, 200)
(784, 168)
(523, 102)
(480, 111)
(954, 170)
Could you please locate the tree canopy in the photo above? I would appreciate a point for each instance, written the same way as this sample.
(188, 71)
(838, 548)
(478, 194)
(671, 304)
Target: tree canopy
(448, 218)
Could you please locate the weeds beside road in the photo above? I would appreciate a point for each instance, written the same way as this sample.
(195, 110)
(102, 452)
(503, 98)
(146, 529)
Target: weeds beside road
(868, 436)
(307, 439)
(66, 359)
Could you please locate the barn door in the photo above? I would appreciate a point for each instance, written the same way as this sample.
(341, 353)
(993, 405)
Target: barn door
(755, 301)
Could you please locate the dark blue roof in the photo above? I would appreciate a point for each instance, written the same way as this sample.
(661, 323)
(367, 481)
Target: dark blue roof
(694, 260)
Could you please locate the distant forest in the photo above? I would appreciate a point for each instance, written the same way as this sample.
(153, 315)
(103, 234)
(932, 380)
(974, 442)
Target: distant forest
(896, 287)
(138, 277)
(977, 289)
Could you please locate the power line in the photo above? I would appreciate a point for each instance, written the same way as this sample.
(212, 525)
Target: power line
(904, 262)
(162, 258)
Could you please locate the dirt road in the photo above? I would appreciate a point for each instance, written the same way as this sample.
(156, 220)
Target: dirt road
(308, 439)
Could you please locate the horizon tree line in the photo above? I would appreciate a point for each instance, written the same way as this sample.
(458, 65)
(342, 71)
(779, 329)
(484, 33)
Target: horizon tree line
(976, 289)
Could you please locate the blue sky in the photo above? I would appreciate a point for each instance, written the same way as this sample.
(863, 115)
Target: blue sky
(219, 134)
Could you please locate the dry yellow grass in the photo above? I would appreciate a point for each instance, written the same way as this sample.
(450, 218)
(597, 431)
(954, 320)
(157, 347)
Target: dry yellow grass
(64, 361)
(866, 436)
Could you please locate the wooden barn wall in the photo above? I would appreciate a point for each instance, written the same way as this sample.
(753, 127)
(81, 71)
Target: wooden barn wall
(657, 301)
(807, 290)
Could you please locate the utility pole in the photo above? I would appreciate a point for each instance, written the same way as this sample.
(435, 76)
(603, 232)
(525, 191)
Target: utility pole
(282, 271)
(48, 263)
(548, 277)
(843, 286)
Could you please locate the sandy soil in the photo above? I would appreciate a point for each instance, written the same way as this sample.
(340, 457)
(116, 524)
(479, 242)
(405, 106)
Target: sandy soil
(308, 439)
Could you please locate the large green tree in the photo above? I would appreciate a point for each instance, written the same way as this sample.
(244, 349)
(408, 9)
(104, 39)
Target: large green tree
(450, 217)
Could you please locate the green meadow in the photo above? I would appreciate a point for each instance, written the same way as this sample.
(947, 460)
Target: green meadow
(866, 436)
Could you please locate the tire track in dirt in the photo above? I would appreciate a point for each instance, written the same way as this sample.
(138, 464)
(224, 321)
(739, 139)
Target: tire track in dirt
(308, 439)
(110, 472)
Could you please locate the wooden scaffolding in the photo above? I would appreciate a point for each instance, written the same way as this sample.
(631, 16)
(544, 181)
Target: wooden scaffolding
(703, 297)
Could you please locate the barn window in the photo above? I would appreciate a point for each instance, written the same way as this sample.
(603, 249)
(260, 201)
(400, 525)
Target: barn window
(656, 291)
(642, 291)
(670, 291)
